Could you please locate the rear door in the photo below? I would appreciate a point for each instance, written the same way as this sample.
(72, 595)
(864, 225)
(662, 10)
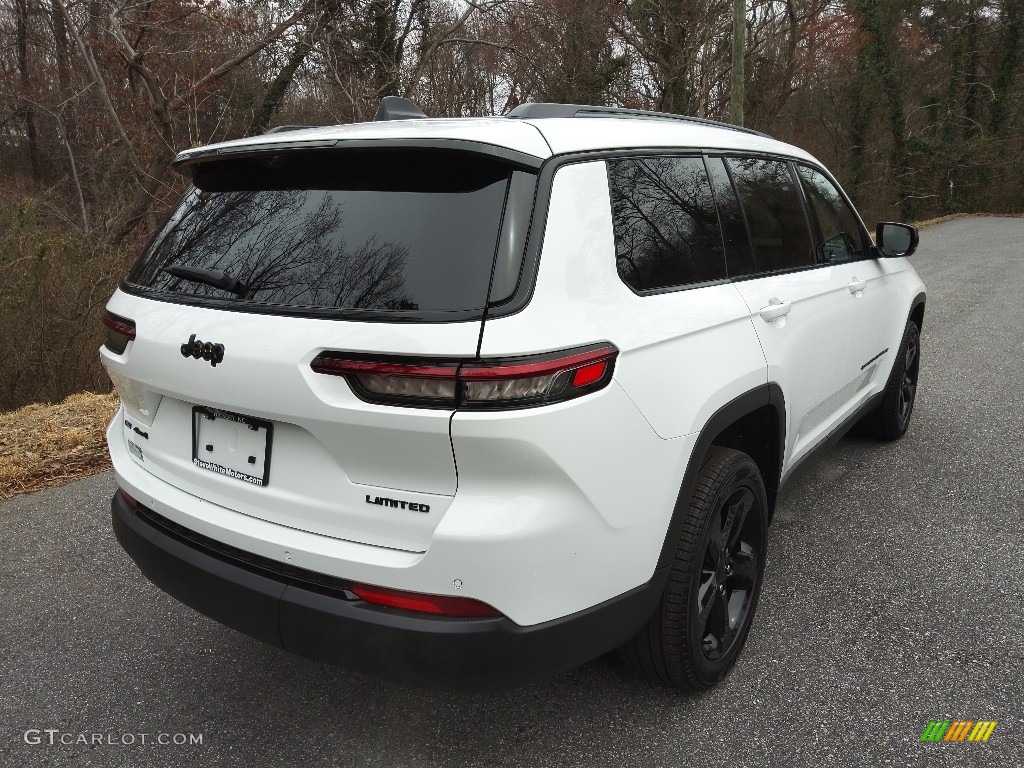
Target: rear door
(794, 305)
(272, 260)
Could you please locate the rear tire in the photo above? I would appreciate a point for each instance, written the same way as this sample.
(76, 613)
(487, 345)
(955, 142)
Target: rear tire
(889, 421)
(701, 623)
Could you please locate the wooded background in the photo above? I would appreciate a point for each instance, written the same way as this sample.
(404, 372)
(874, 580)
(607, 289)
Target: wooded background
(915, 106)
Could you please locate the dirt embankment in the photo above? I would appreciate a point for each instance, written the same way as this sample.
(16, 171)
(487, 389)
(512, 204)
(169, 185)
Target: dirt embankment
(47, 445)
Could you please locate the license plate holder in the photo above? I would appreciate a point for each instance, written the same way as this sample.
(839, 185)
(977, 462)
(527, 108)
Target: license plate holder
(232, 444)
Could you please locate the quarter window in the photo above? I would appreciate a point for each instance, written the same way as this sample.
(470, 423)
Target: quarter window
(666, 225)
(841, 239)
(774, 211)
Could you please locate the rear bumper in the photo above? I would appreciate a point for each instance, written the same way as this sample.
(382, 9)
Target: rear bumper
(317, 617)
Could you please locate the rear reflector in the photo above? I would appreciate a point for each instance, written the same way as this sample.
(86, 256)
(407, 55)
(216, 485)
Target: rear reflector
(438, 605)
(120, 330)
(128, 499)
(474, 384)
(588, 374)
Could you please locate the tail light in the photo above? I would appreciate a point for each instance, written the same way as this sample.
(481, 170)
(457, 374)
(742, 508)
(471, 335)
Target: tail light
(120, 330)
(378, 380)
(439, 605)
(518, 382)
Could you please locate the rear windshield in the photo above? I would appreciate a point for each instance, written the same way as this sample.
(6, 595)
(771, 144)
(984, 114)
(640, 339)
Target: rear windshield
(392, 231)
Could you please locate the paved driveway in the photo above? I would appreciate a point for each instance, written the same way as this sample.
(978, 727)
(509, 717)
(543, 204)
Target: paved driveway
(894, 595)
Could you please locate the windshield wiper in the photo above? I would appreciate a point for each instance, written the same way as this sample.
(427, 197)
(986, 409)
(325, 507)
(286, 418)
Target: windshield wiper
(214, 277)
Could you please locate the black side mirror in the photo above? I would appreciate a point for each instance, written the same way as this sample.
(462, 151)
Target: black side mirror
(894, 239)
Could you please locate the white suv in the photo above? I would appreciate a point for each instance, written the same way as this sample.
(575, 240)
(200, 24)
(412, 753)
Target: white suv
(468, 402)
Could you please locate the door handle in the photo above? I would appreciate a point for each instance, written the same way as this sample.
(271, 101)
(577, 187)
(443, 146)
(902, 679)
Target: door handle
(774, 310)
(856, 285)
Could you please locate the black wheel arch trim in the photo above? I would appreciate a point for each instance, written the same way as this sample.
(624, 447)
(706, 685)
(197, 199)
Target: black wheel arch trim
(769, 394)
(919, 301)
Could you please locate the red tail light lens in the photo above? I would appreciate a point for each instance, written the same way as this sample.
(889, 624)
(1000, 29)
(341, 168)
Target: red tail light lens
(537, 380)
(120, 330)
(394, 382)
(588, 374)
(439, 605)
(475, 384)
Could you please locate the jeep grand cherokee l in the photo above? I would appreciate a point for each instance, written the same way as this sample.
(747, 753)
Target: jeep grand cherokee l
(468, 402)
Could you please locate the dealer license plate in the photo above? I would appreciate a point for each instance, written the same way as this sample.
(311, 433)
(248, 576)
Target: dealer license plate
(231, 444)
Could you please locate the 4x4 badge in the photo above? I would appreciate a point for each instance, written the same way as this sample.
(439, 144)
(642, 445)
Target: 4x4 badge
(203, 349)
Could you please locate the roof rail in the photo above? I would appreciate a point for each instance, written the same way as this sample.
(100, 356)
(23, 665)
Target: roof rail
(537, 111)
(283, 128)
(397, 108)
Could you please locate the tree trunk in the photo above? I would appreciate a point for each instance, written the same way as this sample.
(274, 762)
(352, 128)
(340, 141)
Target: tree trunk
(60, 46)
(675, 52)
(383, 43)
(880, 49)
(92, 26)
(972, 78)
(1006, 72)
(275, 93)
(21, 41)
(739, 45)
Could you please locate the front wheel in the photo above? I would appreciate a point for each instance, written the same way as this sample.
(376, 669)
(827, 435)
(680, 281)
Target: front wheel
(889, 421)
(701, 623)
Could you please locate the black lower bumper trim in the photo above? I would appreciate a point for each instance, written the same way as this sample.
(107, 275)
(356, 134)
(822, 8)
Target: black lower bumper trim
(324, 622)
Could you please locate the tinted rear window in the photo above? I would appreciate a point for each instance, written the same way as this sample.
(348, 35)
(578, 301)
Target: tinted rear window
(351, 230)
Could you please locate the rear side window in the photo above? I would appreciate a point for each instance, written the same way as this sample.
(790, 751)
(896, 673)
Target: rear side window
(384, 230)
(774, 211)
(840, 231)
(666, 225)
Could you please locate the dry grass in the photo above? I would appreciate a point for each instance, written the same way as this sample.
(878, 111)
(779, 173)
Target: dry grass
(46, 445)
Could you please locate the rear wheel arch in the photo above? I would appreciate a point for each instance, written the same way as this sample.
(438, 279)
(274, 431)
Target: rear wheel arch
(700, 625)
(754, 423)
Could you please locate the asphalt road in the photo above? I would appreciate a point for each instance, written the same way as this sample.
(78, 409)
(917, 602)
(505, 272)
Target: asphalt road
(894, 595)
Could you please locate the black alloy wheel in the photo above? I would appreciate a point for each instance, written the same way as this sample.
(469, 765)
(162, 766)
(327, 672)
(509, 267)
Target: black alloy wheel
(730, 574)
(890, 419)
(908, 388)
(706, 611)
